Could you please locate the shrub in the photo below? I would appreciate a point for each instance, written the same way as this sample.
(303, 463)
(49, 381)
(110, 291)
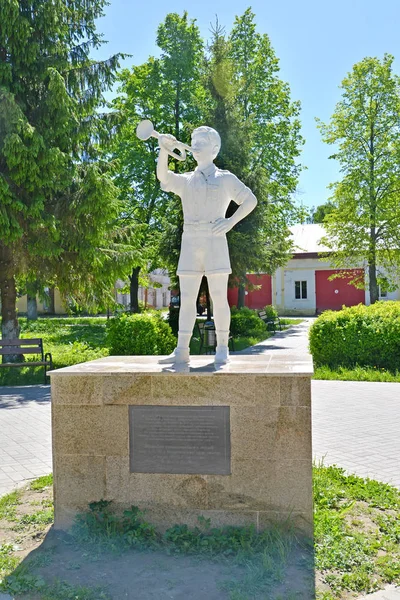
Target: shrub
(139, 334)
(173, 320)
(246, 322)
(74, 353)
(358, 335)
(271, 311)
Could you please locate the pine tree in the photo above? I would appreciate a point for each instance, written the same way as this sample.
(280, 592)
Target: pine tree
(58, 204)
(260, 131)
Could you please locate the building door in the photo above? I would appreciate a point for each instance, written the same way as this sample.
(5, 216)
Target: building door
(332, 295)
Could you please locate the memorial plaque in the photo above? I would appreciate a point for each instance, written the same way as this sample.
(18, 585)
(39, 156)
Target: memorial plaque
(180, 439)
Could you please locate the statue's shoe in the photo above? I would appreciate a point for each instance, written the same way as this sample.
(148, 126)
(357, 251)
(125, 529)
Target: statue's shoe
(180, 356)
(221, 355)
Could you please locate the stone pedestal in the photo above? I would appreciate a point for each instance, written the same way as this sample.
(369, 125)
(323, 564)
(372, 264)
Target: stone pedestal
(267, 460)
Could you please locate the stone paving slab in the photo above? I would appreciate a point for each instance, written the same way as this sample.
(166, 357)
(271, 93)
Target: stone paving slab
(25, 435)
(391, 592)
(356, 426)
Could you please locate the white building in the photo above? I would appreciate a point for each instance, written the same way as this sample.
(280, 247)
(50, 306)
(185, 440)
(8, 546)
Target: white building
(302, 286)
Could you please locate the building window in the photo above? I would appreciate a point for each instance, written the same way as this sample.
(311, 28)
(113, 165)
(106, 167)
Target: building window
(382, 291)
(300, 290)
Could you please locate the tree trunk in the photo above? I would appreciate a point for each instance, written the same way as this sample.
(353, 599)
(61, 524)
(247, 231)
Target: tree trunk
(31, 309)
(52, 307)
(373, 284)
(204, 286)
(241, 295)
(134, 290)
(8, 296)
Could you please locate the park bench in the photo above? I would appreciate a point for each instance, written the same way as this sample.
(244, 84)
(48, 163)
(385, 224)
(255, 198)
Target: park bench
(26, 346)
(271, 322)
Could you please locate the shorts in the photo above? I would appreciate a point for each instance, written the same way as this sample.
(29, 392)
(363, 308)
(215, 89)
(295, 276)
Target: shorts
(203, 253)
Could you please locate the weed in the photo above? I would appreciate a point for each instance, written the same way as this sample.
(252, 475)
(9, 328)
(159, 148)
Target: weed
(39, 518)
(7, 561)
(63, 591)
(42, 483)
(8, 505)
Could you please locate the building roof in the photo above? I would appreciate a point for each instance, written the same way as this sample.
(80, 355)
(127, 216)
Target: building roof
(306, 238)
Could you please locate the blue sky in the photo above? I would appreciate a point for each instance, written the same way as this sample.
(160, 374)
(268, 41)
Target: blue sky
(316, 41)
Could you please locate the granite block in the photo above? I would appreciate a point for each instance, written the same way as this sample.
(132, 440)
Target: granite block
(127, 389)
(270, 422)
(78, 480)
(154, 488)
(96, 430)
(295, 391)
(271, 433)
(76, 389)
(219, 389)
(263, 485)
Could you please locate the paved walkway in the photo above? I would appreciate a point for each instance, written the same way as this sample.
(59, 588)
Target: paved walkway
(25, 435)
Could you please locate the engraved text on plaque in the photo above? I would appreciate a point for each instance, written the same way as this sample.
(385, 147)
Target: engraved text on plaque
(180, 439)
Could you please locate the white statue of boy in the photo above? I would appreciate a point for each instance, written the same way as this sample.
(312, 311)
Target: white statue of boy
(205, 193)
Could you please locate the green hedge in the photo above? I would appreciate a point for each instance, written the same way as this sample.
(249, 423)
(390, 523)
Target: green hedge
(359, 335)
(139, 334)
(246, 322)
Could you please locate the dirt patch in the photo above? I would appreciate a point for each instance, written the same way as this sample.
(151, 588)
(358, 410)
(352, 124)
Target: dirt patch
(144, 575)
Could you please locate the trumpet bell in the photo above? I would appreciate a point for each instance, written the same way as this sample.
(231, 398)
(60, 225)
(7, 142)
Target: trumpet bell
(145, 130)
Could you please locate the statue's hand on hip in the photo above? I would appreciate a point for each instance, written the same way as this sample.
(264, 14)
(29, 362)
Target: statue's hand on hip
(221, 226)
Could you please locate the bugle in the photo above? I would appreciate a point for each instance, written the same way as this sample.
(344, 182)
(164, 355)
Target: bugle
(145, 130)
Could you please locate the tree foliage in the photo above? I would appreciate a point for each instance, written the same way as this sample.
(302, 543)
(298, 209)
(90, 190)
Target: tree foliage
(164, 90)
(251, 108)
(319, 213)
(58, 203)
(364, 228)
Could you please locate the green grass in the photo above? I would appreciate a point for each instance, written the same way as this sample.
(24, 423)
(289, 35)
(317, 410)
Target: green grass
(42, 483)
(357, 532)
(8, 505)
(287, 322)
(70, 341)
(356, 374)
(40, 518)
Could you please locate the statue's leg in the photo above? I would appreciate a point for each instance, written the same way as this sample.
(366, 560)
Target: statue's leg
(218, 286)
(189, 287)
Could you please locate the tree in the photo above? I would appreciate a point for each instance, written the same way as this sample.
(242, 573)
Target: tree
(58, 205)
(163, 90)
(364, 228)
(318, 214)
(260, 130)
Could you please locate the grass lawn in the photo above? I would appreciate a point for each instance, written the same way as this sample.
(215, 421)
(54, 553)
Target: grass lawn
(76, 340)
(70, 341)
(356, 550)
(356, 374)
